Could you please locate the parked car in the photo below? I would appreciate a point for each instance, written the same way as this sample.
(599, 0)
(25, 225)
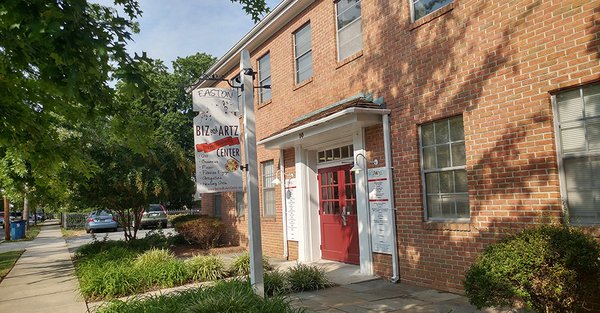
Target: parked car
(100, 220)
(154, 215)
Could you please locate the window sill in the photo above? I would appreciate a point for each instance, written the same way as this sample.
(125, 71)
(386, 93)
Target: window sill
(264, 104)
(302, 84)
(451, 226)
(269, 218)
(432, 16)
(349, 59)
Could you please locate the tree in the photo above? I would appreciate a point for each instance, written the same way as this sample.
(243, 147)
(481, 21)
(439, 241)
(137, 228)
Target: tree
(254, 8)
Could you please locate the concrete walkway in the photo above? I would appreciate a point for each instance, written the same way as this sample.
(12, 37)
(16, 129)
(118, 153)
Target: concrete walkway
(43, 279)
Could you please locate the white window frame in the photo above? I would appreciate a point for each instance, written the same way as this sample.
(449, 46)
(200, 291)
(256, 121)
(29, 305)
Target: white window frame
(218, 210)
(412, 9)
(562, 156)
(240, 206)
(297, 57)
(338, 30)
(267, 177)
(262, 79)
(439, 170)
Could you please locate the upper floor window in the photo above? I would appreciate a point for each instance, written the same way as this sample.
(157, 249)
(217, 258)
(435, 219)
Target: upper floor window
(349, 28)
(578, 132)
(421, 8)
(268, 188)
(303, 53)
(444, 169)
(264, 77)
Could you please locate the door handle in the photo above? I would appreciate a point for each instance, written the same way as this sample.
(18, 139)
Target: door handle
(344, 217)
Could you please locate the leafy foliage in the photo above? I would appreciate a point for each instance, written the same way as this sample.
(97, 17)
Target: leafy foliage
(202, 230)
(241, 265)
(254, 8)
(225, 296)
(276, 283)
(304, 277)
(203, 268)
(549, 268)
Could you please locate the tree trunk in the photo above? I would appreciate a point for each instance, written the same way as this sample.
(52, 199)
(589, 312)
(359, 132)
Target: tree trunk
(26, 210)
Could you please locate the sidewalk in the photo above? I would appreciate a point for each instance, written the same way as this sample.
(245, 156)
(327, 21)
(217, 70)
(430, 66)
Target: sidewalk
(43, 280)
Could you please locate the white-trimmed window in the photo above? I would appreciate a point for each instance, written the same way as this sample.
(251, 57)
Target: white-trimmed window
(239, 203)
(578, 133)
(303, 53)
(421, 8)
(443, 170)
(349, 27)
(264, 77)
(268, 188)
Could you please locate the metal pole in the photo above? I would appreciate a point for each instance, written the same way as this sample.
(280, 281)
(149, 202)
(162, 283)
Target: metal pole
(387, 143)
(6, 219)
(256, 269)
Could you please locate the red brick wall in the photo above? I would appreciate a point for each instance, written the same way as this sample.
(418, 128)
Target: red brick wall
(495, 62)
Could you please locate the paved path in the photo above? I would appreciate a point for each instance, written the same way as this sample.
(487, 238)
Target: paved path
(43, 280)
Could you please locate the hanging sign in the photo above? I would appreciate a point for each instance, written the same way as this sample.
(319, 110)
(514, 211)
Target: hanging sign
(380, 209)
(216, 140)
(291, 209)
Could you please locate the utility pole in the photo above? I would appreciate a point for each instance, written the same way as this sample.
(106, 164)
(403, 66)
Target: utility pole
(6, 217)
(247, 82)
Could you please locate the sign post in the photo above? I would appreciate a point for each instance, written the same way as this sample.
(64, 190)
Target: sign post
(380, 206)
(247, 81)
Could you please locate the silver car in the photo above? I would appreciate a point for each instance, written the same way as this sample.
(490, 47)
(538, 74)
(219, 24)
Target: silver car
(100, 220)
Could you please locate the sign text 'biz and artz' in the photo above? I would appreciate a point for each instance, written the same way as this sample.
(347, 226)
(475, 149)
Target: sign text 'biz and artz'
(216, 140)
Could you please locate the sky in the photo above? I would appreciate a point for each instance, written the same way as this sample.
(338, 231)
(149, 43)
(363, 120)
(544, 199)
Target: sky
(179, 28)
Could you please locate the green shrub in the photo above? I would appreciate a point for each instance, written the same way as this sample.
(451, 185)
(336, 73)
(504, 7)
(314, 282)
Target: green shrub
(302, 277)
(548, 268)
(160, 268)
(203, 268)
(180, 218)
(276, 283)
(225, 296)
(241, 265)
(202, 230)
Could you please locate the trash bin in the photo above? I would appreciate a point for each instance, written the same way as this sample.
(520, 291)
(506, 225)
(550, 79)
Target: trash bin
(17, 230)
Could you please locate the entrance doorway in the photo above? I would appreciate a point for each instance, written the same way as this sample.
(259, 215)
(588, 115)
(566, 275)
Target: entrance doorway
(337, 210)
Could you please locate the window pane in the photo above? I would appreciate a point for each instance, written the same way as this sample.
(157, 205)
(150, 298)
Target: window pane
(424, 7)
(460, 181)
(434, 207)
(321, 156)
(429, 157)
(591, 97)
(458, 154)
(347, 11)
(427, 134)
(350, 39)
(239, 203)
(441, 132)
(593, 134)
(457, 131)
(578, 173)
(443, 156)
(304, 67)
(302, 40)
(432, 183)
(573, 139)
(570, 106)
(448, 203)
(446, 182)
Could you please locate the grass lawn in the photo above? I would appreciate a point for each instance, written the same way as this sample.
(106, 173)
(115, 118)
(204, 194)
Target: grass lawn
(7, 261)
(69, 233)
(32, 232)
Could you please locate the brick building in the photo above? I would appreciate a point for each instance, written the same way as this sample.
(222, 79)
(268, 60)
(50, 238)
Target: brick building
(487, 113)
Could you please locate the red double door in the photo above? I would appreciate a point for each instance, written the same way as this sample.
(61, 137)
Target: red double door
(337, 209)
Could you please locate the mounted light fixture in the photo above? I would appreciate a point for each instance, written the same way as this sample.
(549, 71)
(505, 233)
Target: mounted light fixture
(277, 181)
(357, 167)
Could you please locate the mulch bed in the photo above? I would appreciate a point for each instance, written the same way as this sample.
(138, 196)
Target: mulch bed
(188, 251)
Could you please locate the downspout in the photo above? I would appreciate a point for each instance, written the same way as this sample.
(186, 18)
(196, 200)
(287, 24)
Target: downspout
(283, 204)
(387, 144)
